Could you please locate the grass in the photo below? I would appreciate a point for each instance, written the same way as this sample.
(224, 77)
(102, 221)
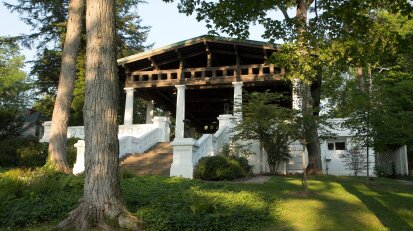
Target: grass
(37, 201)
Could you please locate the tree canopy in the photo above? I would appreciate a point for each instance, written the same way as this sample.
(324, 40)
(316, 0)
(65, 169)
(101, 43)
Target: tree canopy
(48, 19)
(13, 87)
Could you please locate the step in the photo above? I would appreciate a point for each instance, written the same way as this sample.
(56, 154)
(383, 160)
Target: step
(156, 161)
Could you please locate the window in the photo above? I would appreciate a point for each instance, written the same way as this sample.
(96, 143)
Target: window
(336, 146)
(340, 146)
(330, 146)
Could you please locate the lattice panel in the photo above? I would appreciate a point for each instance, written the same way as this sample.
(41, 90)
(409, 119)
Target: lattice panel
(385, 161)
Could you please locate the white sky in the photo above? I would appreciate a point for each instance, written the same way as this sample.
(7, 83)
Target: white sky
(168, 26)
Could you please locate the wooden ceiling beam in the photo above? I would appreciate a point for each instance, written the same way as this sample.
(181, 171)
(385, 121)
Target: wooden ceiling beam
(246, 55)
(153, 63)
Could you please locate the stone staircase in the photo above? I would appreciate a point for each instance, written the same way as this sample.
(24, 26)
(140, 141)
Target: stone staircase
(155, 161)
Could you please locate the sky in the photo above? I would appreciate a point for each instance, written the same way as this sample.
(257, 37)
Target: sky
(167, 25)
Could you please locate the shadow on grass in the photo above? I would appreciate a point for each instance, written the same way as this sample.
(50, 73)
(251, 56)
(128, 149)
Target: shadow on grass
(375, 201)
(327, 207)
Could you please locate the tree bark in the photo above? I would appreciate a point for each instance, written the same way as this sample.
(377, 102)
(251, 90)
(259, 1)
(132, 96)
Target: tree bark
(102, 203)
(57, 158)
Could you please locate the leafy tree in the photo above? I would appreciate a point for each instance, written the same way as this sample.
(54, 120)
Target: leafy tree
(102, 202)
(13, 87)
(265, 121)
(48, 38)
(334, 36)
(378, 102)
(354, 160)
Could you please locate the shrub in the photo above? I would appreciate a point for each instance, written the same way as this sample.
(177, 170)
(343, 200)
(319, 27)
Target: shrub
(244, 163)
(380, 171)
(221, 168)
(24, 151)
(32, 155)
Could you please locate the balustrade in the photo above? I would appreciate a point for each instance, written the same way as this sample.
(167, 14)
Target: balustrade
(256, 72)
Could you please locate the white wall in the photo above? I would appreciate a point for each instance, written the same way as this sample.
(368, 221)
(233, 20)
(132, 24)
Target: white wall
(336, 165)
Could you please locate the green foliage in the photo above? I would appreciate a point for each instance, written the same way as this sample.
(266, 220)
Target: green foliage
(37, 200)
(221, 168)
(379, 171)
(32, 155)
(378, 102)
(239, 153)
(22, 151)
(354, 160)
(32, 197)
(13, 87)
(181, 204)
(48, 36)
(272, 125)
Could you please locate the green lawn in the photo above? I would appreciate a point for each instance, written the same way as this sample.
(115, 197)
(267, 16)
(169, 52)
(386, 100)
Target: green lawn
(37, 202)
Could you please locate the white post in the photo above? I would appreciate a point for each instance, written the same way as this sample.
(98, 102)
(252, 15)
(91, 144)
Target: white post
(79, 166)
(128, 118)
(237, 100)
(180, 112)
(183, 157)
(46, 132)
(225, 121)
(163, 124)
(149, 112)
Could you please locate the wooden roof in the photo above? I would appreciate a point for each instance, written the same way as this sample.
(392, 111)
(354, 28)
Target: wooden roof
(207, 65)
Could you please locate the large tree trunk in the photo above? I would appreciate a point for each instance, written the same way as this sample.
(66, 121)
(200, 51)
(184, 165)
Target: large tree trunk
(102, 202)
(57, 158)
(308, 102)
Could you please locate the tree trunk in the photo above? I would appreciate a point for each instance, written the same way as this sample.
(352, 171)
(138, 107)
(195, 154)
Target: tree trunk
(57, 158)
(308, 102)
(102, 202)
(361, 79)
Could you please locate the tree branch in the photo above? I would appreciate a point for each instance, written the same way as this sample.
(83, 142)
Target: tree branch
(283, 10)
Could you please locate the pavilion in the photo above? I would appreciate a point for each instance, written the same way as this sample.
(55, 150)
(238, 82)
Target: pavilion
(199, 79)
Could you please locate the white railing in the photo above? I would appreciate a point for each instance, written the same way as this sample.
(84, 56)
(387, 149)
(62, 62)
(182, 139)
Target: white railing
(148, 140)
(136, 138)
(127, 144)
(74, 131)
(205, 147)
(221, 137)
(210, 145)
(131, 144)
(135, 130)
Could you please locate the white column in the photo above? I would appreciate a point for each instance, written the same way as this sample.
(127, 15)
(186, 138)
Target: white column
(237, 100)
(128, 118)
(149, 111)
(180, 112)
